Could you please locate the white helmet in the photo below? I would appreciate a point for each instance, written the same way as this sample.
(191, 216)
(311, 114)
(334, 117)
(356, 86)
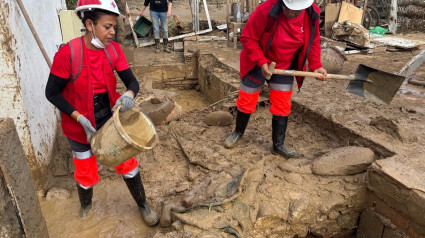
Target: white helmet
(298, 4)
(87, 5)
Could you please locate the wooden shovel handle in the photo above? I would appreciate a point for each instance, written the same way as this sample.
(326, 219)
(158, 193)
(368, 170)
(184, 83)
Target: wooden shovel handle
(306, 74)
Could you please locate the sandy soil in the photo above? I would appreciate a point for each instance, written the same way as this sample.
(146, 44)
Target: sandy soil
(190, 162)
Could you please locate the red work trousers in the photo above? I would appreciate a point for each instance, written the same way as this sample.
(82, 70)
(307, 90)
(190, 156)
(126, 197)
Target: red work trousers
(86, 170)
(280, 92)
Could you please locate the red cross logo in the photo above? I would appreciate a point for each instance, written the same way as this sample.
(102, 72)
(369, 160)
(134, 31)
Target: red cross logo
(113, 4)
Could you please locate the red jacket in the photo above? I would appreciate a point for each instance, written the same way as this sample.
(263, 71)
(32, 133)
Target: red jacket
(79, 94)
(260, 30)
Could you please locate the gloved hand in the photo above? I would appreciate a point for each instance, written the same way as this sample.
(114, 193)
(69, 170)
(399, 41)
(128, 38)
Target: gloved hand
(88, 128)
(126, 101)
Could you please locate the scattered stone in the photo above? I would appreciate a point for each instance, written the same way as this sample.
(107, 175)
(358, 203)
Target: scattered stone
(178, 46)
(218, 70)
(344, 161)
(219, 118)
(192, 175)
(182, 187)
(58, 193)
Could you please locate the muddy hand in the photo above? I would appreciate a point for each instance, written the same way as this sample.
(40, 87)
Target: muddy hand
(88, 128)
(322, 71)
(126, 101)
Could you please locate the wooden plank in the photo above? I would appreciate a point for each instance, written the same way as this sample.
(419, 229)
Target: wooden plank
(364, 9)
(331, 16)
(136, 40)
(176, 37)
(227, 20)
(350, 12)
(70, 25)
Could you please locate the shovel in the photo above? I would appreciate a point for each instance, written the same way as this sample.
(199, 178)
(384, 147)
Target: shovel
(366, 82)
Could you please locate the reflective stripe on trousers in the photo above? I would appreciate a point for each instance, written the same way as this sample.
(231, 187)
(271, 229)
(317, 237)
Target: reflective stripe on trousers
(280, 92)
(86, 168)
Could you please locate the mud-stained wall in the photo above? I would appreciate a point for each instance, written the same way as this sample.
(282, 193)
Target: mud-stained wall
(19, 207)
(24, 74)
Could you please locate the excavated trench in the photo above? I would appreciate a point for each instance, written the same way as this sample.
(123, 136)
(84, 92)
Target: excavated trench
(315, 195)
(202, 189)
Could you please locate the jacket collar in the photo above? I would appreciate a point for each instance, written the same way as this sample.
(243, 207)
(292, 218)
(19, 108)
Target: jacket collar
(277, 8)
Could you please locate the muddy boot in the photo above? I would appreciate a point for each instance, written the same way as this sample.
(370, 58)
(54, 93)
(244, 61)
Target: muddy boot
(157, 46)
(166, 48)
(85, 196)
(279, 125)
(135, 186)
(241, 123)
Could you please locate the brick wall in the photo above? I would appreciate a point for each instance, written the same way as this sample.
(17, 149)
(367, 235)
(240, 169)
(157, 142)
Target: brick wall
(395, 206)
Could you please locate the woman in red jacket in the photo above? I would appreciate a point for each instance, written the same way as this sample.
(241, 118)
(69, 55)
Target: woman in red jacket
(82, 85)
(285, 32)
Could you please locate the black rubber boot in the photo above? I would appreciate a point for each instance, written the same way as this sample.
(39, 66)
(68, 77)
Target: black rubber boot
(135, 186)
(279, 125)
(241, 123)
(157, 46)
(85, 196)
(166, 48)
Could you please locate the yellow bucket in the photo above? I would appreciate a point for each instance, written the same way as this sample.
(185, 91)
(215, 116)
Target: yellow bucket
(124, 136)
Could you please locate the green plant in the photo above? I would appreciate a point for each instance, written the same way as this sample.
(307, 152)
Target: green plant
(71, 4)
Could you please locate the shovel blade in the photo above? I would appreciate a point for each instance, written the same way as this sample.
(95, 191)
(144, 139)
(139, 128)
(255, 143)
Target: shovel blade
(375, 84)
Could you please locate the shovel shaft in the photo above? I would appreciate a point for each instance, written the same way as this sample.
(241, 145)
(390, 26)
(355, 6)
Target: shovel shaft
(311, 74)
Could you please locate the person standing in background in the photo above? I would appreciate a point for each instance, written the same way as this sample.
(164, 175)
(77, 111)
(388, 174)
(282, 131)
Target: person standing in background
(160, 10)
(285, 32)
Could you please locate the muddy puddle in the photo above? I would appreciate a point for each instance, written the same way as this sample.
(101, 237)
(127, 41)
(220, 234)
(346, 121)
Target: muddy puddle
(114, 214)
(190, 99)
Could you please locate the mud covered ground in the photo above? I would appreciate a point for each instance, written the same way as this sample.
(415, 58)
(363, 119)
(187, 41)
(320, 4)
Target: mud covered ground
(283, 198)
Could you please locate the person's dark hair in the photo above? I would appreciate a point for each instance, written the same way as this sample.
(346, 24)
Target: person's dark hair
(94, 15)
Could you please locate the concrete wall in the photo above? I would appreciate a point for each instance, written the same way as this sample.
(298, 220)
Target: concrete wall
(24, 73)
(19, 208)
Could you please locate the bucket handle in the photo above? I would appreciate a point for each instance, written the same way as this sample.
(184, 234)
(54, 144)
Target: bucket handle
(124, 134)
